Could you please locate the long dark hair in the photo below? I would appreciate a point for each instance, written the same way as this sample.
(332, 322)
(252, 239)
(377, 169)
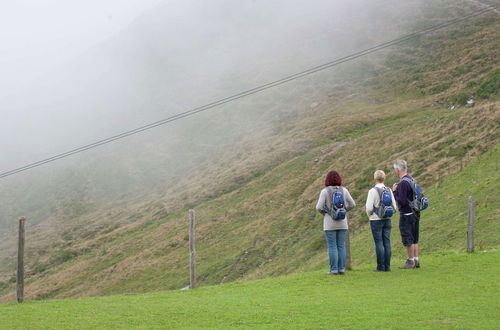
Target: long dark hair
(333, 178)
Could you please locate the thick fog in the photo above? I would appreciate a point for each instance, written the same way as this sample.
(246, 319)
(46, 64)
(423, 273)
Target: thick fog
(39, 36)
(74, 72)
(77, 72)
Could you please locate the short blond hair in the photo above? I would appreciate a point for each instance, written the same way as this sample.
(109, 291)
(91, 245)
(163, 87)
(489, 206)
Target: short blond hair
(379, 176)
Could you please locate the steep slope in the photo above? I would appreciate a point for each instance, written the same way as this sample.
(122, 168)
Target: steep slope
(262, 222)
(145, 60)
(171, 59)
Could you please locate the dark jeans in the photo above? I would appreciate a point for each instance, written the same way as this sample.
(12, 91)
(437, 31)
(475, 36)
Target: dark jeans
(381, 230)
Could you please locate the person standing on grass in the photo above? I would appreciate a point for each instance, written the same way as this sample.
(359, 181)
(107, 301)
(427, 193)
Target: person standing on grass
(409, 219)
(335, 230)
(380, 220)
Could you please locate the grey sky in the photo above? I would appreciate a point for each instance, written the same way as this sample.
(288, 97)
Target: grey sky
(56, 31)
(72, 72)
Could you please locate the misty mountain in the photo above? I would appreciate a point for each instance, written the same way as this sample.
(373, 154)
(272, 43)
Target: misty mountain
(182, 55)
(171, 59)
(254, 153)
(178, 56)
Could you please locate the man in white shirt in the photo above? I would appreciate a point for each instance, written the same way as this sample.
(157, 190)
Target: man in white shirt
(380, 226)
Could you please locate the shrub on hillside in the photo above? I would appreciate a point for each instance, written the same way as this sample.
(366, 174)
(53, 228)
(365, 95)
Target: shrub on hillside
(471, 84)
(440, 88)
(63, 256)
(459, 152)
(490, 86)
(460, 70)
(459, 98)
(40, 268)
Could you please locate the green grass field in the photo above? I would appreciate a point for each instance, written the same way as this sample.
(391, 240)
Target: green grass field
(451, 290)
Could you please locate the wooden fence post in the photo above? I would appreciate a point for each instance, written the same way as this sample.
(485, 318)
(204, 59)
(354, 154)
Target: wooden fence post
(348, 251)
(470, 226)
(20, 262)
(192, 250)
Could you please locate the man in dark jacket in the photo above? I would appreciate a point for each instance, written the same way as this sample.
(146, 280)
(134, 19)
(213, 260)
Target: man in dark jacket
(408, 219)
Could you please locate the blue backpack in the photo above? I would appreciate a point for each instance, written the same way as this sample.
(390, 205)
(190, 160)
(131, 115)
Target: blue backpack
(338, 210)
(419, 201)
(385, 209)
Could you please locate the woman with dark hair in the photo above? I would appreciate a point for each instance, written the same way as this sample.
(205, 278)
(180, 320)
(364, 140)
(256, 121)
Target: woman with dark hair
(335, 230)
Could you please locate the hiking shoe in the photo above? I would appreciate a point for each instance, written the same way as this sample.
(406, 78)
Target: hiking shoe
(409, 264)
(417, 264)
(331, 273)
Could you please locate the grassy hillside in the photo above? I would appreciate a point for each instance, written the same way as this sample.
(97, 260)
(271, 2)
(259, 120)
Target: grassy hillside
(238, 245)
(444, 224)
(147, 72)
(255, 205)
(454, 290)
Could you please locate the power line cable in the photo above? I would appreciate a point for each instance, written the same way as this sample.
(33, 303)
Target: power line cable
(248, 92)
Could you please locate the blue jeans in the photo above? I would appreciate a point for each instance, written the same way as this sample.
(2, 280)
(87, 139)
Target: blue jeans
(335, 240)
(381, 230)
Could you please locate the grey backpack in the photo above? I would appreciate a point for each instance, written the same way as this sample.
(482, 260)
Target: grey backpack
(336, 209)
(385, 209)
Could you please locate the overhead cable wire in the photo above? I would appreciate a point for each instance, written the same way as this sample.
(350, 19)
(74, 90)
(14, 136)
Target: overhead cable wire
(248, 92)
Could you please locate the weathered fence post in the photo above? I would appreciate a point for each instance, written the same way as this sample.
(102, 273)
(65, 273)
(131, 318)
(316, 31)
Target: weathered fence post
(20, 262)
(192, 250)
(470, 226)
(348, 252)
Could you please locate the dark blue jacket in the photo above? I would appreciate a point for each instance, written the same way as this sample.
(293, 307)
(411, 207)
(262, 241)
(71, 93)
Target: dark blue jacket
(403, 195)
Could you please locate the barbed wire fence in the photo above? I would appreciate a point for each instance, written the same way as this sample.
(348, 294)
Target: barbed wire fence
(192, 241)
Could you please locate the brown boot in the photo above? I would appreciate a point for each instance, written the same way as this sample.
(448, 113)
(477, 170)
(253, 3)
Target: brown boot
(410, 264)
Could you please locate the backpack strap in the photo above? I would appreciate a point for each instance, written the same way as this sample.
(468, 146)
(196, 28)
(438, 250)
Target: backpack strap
(328, 202)
(334, 189)
(412, 183)
(379, 191)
